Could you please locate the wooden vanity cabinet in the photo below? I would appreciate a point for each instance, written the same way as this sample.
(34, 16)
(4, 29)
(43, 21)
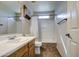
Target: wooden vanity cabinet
(26, 51)
(21, 52)
(32, 48)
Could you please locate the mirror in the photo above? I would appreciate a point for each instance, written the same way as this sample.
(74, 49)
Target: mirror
(9, 17)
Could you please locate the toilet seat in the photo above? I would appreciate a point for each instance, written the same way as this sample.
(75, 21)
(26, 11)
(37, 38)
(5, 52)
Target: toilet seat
(38, 44)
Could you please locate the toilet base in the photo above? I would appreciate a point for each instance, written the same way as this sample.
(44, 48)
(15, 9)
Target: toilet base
(37, 50)
(37, 47)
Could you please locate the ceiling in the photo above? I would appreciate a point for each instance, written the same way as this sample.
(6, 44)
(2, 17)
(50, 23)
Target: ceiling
(37, 6)
(43, 6)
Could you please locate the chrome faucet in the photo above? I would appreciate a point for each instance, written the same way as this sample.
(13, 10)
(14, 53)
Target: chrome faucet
(11, 38)
(24, 34)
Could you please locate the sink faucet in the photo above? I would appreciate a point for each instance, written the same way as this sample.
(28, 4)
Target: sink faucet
(24, 34)
(11, 38)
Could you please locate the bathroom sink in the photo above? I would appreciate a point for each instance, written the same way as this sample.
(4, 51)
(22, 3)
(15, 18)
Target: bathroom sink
(13, 41)
(17, 40)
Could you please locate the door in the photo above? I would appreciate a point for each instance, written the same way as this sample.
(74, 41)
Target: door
(74, 47)
(73, 26)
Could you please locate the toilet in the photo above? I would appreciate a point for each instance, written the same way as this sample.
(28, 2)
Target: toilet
(37, 47)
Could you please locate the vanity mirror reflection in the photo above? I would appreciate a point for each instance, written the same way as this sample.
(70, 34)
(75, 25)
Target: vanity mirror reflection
(8, 17)
(15, 37)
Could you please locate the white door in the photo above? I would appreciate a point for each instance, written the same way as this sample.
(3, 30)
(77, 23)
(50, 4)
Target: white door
(74, 49)
(73, 26)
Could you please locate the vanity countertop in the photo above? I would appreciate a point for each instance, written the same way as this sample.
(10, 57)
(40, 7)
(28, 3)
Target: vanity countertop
(7, 46)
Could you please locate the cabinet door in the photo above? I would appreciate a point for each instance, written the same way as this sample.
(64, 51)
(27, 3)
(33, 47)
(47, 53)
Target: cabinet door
(32, 51)
(22, 52)
(32, 48)
(26, 54)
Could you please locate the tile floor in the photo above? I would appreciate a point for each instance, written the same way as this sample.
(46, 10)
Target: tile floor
(49, 50)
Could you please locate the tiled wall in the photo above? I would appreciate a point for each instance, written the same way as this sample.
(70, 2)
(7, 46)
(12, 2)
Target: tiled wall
(43, 29)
